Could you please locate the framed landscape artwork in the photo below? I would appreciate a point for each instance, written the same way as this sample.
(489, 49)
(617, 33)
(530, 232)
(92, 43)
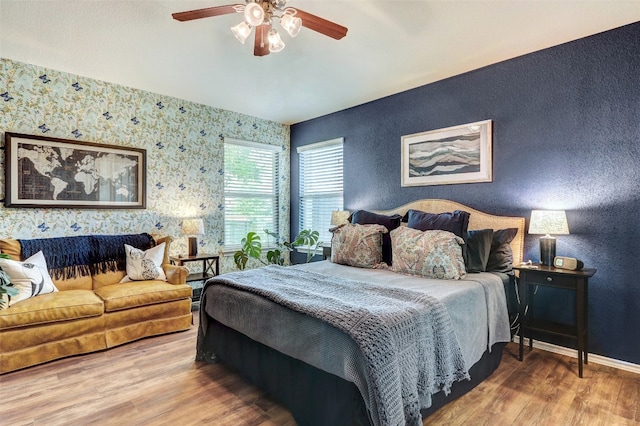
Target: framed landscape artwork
(458, 154)
(50, 172)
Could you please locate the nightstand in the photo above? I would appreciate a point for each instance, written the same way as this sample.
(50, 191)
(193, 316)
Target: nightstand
(210, 268)
(578, 281)
(326, 252)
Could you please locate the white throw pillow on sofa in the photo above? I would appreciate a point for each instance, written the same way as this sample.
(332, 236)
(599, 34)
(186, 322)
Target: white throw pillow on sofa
(144, 265)
(30, 277)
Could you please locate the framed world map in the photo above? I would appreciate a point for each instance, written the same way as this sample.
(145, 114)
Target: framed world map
(50, 172)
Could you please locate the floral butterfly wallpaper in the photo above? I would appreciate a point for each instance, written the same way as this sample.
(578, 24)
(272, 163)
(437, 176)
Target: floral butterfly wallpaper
(183, 140)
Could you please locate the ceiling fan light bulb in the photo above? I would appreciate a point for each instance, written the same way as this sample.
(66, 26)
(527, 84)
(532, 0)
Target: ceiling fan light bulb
(275, 42)
(291, 24)
(254, 14)
(241, 31)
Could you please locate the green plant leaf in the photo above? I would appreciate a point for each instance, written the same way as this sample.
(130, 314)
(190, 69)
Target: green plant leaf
(275, 257)
(251, 245)
(240, 258)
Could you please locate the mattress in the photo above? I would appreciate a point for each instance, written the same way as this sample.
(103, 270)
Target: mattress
(476, 305)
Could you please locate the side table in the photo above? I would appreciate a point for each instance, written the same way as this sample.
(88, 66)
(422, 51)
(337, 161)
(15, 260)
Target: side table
(578, 281)
(210, 268)
(326, 252)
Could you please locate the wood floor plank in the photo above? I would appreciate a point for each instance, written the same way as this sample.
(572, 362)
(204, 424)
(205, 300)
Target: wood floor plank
(156, 381)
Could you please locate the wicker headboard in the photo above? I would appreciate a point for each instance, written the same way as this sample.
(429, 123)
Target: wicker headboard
(477, 220)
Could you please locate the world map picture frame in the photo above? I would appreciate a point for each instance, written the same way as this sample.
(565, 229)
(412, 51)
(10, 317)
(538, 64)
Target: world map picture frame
(457, 154)
(45, 172)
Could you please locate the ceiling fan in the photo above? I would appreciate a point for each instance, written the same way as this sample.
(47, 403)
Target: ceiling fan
(261, 15)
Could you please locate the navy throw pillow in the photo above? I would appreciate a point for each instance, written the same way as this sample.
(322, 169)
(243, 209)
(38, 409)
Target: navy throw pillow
(456, 221)
(363, 217)
(478, 249)
(501, 256)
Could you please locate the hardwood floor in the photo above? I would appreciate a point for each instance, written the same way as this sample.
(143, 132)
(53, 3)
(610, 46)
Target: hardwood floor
(155, 381)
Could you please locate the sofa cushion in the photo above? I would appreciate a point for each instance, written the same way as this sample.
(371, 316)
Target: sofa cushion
(52, 307)
(141, 293)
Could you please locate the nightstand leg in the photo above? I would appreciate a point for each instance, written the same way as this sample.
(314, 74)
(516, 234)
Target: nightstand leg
(530, 306)
(586, 322)
(580, 323)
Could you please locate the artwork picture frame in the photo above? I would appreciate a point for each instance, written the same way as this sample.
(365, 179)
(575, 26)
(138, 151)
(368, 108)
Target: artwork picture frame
(46, 172)
(452, 155)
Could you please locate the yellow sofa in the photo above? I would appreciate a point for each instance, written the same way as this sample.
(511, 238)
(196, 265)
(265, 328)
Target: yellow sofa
(91, 311)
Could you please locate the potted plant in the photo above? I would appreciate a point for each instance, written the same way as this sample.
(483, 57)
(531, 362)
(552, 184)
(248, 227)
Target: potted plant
(252, 247)
(5, 285)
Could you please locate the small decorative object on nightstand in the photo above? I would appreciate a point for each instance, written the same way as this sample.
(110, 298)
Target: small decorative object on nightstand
(210, 268)
(532, 276)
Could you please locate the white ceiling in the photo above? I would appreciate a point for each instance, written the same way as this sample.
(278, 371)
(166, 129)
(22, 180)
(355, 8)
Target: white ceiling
(391, 46)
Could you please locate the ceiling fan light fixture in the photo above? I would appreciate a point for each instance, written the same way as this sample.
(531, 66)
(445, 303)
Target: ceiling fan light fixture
(262, 14)
(291, 24)
(275, 42)
(254, 14)
(241, 31)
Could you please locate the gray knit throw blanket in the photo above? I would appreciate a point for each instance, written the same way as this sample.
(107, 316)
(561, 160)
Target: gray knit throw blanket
(406, 337)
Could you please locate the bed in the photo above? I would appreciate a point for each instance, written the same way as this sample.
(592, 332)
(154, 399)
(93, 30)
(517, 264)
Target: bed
(275, 326)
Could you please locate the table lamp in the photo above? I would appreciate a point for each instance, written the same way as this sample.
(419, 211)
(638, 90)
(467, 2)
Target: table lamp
(547, 222)
(340, 217)
(193, 227)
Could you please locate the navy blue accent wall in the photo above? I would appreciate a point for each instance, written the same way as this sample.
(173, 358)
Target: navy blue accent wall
(566, 136)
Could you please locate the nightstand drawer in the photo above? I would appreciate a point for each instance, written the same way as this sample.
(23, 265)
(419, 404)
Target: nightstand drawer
(554, 280)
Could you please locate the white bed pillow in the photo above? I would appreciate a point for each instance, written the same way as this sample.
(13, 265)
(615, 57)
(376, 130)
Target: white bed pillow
(144, 265)
(30, 277)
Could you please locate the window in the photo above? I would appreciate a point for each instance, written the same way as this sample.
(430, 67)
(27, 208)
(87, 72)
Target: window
(251, 190)
(320, 185)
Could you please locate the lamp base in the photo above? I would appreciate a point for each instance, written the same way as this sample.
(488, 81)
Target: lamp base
(547, 250)
(193, 246)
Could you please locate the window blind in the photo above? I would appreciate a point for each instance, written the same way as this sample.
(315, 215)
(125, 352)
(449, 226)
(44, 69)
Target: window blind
(251, 190)
(321, 185)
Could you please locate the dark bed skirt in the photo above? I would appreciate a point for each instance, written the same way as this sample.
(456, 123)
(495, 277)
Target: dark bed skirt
(313, 396)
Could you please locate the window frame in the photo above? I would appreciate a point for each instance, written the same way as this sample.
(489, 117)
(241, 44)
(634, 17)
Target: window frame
(302, 197)
(276, 150)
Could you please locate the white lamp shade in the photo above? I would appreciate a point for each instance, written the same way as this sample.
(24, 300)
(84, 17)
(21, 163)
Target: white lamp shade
(254, 14)
(192, 227)
(340, 217)
(291, 24)
(275, 42)
(548, 222)
(241, 31)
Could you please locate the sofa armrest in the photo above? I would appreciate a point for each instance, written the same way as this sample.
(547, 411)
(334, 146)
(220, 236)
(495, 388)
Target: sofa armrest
(175, 274)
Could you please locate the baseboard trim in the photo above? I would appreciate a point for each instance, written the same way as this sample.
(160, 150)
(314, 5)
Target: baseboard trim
(593, 358)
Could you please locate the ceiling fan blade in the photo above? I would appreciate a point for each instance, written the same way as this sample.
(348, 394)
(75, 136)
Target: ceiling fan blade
(208, 12)
(261, 45)
(321, 25)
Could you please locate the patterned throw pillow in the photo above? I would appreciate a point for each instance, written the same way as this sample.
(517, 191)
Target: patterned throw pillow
(431, 254)
(363, 217)
(144, 265)
(30, 277)
(357, 245)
